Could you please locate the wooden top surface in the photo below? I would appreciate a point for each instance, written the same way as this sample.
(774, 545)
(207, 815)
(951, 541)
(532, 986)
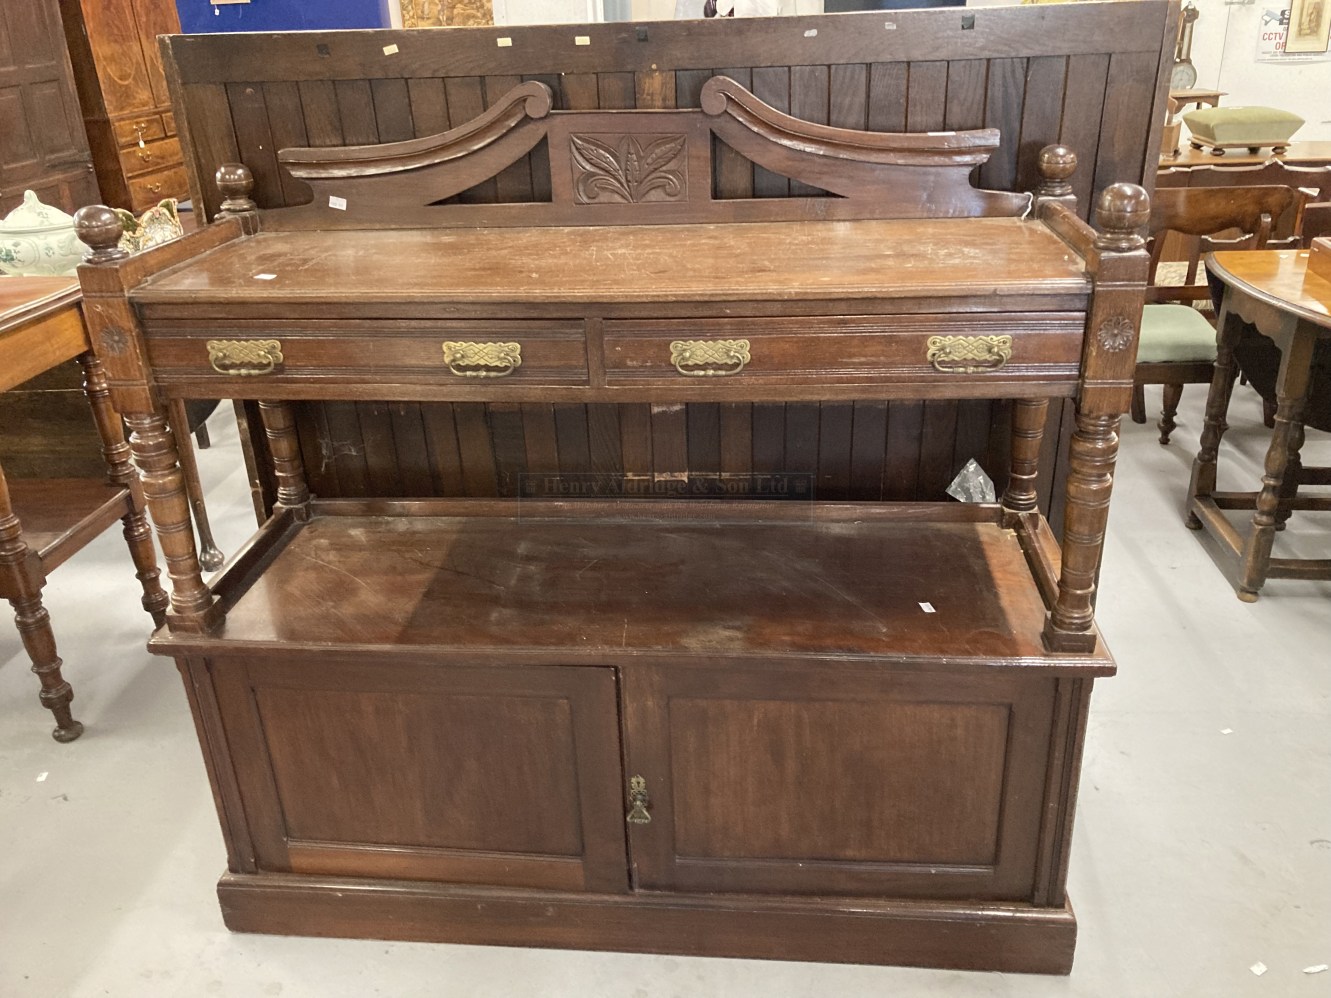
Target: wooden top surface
(1278, 277)
(771, 261)
(574, 588)
(23, 299)
(1298, 154)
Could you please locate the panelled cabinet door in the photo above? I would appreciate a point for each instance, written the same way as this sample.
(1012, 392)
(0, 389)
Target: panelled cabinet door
(122, 72)
(155, 17)
(502, 776)
(829, 781)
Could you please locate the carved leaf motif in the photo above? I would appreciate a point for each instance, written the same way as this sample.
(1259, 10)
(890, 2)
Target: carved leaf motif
(629, 173)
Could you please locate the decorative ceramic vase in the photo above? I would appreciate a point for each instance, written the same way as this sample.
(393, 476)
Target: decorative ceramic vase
(36, 239)
(155, 226)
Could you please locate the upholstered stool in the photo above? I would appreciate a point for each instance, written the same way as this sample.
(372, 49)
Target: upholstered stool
(1252, 128)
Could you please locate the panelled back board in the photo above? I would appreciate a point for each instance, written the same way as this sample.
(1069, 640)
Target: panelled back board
(1092, 76)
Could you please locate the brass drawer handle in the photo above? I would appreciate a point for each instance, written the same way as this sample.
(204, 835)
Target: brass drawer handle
(968, 354)
(244, 358)
(482, 360)
(638, 802)
(708, 358)
(145, 155)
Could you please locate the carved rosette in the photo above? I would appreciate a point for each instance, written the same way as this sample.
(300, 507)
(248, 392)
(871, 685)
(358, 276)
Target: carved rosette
(629, 169)
(113, 341)
(1115, 334)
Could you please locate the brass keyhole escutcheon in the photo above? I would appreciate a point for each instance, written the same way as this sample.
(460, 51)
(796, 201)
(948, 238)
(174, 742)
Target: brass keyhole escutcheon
(638, 802)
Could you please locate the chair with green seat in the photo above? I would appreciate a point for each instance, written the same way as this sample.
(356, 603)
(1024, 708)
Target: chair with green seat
(1177, 345)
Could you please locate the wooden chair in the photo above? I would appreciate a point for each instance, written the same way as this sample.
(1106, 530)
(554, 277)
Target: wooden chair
(1177, 345)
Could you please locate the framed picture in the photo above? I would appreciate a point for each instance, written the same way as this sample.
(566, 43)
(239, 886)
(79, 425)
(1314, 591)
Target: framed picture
(1309, 26)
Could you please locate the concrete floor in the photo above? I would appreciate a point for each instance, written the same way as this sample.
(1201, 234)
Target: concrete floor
(1197, 853)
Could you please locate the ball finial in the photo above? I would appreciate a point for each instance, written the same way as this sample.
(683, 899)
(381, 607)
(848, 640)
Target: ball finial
(100, 229)
(1057, 163)
(1122, 212)
(235, 181)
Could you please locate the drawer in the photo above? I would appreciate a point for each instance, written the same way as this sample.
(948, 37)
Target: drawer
(847, 350)
(169, 122)
(148, 127)
(152, 156)
(478, 355)
(147, 190)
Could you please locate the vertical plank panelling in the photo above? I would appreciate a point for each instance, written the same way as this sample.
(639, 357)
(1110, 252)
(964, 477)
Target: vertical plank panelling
(616, 91)
(972, 438)
(254, 139)
(214, 136)
(926, 96)
(809, 101)
(540, 154)
(287, 124)
(475, 450)
(542, 445)
(737, 440)
(513, 182)
(654, 88)
(429, 106)
(704, 429)
(967, 80)
(688, 86)
(355, 110)
(509, 447)
(571, 431)
(1006, 92)
(345, 448)
(312, 431)
(413, 457)
(868, 447)
(670, 454)
(1123, 141)
(381, 458)
(1041, 115)
(936, 446)
(392, 110)
(733, 172)
(578, 92)
(604, 449)
(635, 439)
(834, 450)
(998, 455)
(769, 438)
(802, 440)
(887, 96)
(318, 102)
(901, 471)
(848, 96)
(1083, 111)
(441, 442)
(772, 85)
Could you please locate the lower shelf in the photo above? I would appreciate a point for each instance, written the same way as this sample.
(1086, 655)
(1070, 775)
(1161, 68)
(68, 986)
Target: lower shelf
(991, 937)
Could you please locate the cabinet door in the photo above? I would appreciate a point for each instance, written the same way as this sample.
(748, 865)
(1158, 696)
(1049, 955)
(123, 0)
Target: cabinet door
(504, 776)
(117, 52)
(156, 17)
(837, 782)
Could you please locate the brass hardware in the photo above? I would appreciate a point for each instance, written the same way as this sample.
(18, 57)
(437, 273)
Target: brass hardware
(470, 360)
(155, 188)
(968, 354)
(244, 358)
(145, 155)
(638, 802)
(725, 357)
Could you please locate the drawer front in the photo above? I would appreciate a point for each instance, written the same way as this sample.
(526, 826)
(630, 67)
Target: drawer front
(849, 350)
(169, 122)
(152, 156)
(464, 353)
(148, 127)
(145, 191)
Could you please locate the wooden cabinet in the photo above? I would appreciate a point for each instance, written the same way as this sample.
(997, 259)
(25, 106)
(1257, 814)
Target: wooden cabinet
(801, 730)
(122, 88)
(43, 148)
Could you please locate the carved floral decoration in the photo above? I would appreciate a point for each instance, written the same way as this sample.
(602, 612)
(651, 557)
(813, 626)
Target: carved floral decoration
(114, 341)
(629, 172)
(1116, 334)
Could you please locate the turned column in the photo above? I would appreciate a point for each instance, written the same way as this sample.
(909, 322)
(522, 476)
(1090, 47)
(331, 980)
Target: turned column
(1118, 264)
(1028, 421)
(21, 581)
(119, 472)
(113, 325)
(279, 426)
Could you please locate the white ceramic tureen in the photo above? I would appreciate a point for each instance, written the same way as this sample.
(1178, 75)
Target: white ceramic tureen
(38, 239)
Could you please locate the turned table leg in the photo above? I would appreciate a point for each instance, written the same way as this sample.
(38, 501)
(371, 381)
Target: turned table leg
(1291, 389)
(21, 582)
(120, 472)
(1028, 421)
(1202, 484)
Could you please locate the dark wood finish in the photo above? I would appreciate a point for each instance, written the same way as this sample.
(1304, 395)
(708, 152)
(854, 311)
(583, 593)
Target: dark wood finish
(122, 90)
(1284, 301)
(44, 521)
(1044, 84)
(1211, 216)
(45, 149)
(703, 671)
